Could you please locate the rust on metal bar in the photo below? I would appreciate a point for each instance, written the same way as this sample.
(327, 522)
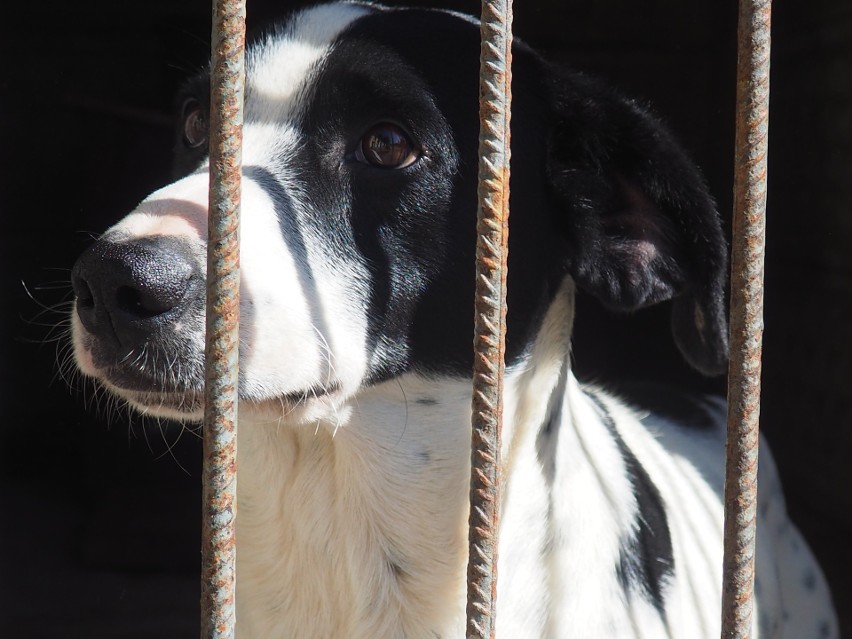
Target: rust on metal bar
(219, 509)
(747, 257)
(490, 314)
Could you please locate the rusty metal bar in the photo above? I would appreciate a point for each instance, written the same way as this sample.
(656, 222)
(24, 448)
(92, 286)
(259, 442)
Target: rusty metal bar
(227, 82)
(747, 257)
(490, 314)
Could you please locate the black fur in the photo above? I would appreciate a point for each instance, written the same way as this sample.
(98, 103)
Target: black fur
(599, 189)
(640, 223)
(646, 560)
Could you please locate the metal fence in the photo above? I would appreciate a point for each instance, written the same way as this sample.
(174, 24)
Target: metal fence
(220, 422)
(219, 551)
(492, 215)
(746, 324)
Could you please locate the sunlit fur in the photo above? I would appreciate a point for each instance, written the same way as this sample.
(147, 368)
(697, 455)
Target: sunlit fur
(352, 517)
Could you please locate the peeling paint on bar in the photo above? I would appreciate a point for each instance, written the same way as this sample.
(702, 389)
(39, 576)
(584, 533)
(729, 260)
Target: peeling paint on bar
(747, 260)
(490, 314)
(218, 574)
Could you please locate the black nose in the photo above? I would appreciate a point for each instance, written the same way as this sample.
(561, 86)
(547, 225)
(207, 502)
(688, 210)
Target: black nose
(128, 290)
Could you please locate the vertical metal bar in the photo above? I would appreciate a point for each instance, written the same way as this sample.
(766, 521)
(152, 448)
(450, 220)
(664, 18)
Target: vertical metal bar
(747, 255)
(227, 80)
(490, 313)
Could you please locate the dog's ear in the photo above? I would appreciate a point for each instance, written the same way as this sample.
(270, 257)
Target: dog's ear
(640, 225)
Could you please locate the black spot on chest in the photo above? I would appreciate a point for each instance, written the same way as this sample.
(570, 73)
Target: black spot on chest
(646, 559)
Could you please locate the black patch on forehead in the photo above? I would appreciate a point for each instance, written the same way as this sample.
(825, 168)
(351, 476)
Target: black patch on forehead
(415, 228)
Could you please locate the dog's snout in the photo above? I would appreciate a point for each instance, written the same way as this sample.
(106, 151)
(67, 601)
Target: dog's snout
(127, 290)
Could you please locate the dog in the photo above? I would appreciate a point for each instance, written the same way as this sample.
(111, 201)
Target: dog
(358, 235)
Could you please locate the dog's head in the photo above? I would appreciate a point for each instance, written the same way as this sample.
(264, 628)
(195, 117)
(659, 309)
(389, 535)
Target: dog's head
(358, 220)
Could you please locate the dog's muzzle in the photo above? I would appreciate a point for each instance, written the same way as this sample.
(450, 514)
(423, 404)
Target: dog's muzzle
(136, 299)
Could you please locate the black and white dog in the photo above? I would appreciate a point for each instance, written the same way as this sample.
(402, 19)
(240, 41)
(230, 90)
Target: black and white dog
(355, 361)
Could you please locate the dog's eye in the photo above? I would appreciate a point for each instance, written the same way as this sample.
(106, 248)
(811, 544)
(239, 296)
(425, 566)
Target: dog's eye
(194, 124)
(387, 146)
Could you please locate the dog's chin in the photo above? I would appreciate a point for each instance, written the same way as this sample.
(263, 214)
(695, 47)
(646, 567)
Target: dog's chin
(182, 406)
(295, 408)
(306, 407)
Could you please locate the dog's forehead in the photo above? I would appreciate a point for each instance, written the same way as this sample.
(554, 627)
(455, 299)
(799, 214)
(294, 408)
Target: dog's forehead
(283, 62)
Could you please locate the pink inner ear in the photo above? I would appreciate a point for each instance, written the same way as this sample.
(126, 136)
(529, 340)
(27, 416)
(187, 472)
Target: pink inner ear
(637, 227)
(645, 253)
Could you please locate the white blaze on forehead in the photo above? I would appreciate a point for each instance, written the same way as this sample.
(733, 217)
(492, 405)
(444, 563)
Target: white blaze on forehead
(271, 145)
(280, 67)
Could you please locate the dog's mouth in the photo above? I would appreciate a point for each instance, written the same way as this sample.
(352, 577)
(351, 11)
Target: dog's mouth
(167, 380)
(156, 395)
(184, 405)
(153, 392)
(150, 380)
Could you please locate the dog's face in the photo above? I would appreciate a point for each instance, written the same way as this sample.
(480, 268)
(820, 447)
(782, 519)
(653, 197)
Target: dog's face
(358, 220)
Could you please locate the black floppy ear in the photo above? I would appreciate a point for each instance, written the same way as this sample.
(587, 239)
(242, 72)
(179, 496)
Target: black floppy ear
(640, 224)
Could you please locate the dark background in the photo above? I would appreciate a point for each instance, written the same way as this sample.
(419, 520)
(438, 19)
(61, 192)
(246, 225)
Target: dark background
(99, 510)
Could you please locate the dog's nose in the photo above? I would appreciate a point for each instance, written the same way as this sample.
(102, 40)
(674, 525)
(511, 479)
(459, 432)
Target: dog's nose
(128, 290)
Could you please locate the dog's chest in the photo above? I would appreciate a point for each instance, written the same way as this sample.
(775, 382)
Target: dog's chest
(568, 527)
(357, 531)
(360, 531)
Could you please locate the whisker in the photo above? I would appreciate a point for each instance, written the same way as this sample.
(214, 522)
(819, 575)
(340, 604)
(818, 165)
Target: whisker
(328, 356)
(170, 447)
(38, 302)
(147, 441)
(64, 269)
(54, 286)
(405, 421)
(64, 359)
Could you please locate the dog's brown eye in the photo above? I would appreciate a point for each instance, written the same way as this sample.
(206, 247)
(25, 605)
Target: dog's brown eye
(387, 146)
(194, 124)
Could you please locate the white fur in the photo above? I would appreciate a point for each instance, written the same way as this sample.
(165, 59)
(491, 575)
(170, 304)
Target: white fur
(352, 517)
(289, 311)
(322, 516)
(279, 69)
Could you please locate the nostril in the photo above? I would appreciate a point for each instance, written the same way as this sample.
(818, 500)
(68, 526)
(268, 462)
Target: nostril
(128, 291)
(144, 303)
(85, 297)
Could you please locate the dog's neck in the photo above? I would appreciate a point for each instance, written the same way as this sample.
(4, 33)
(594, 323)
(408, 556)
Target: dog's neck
(358, 527)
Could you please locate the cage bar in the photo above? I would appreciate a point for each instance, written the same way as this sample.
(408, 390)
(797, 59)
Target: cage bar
(490, 313)
(746, 332)
(219, 509)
